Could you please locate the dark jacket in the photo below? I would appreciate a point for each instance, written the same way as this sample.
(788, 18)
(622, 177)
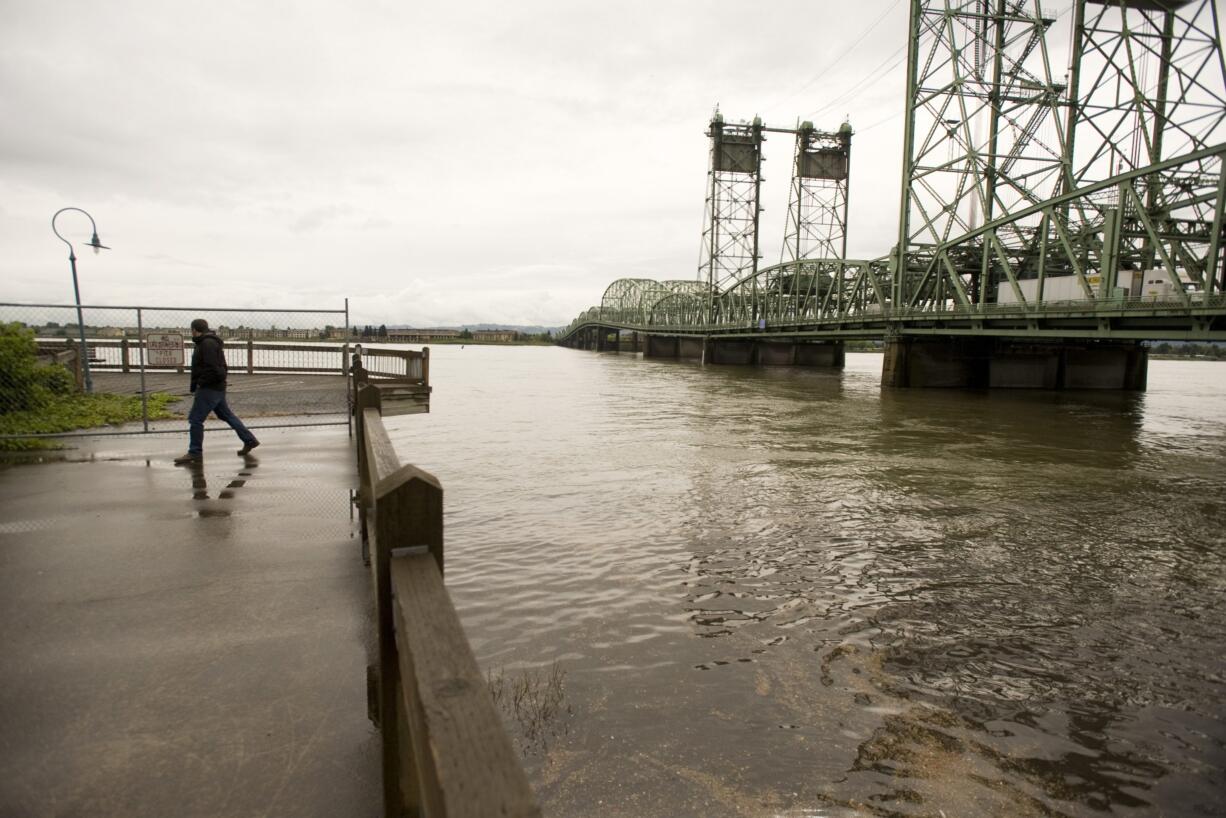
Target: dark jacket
(208, 363)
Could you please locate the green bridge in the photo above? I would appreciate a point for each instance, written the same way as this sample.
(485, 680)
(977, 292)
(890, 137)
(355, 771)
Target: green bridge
(1047, 227)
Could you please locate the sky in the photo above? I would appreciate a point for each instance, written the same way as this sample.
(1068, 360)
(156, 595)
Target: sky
(436, 163)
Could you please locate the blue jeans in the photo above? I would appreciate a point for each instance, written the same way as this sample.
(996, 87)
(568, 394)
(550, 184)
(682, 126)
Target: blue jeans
(212, 400)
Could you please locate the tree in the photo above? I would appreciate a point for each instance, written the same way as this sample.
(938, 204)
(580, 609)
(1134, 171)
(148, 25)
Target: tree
(383, 330)
(466, 334)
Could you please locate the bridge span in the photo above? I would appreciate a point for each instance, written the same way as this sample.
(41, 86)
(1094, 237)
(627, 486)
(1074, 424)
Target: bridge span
(1048, 224)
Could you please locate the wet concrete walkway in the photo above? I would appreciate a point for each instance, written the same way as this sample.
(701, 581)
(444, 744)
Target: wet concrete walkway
(249, 395)
(187, 642)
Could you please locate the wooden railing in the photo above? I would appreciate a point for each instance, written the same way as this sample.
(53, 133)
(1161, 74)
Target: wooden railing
(399, 395)
(445, 751)
(254, 357)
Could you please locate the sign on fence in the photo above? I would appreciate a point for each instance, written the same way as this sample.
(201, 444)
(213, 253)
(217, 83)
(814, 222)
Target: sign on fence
(164, 348)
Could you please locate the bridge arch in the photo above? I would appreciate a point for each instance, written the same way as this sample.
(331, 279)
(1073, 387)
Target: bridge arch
(624, 300)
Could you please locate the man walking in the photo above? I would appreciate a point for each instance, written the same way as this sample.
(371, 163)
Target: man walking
(209, 386)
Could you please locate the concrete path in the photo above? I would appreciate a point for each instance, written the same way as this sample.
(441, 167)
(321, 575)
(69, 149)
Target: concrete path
(186, 642)
(286, 393)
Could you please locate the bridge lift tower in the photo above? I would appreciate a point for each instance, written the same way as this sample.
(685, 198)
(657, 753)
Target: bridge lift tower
(992, 131)
(817, 210)
(817, 206)
(730, 231)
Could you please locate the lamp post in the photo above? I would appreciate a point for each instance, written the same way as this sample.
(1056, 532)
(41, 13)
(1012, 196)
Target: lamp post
(76, 291)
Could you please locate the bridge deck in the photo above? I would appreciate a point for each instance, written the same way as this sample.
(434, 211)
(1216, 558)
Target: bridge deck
(181, 642)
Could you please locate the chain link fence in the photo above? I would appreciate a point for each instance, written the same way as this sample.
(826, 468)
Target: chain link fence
(64, 369)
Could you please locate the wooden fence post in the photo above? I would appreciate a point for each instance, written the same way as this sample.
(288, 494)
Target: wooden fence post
(368, 397)
(408, 515)
(425, 365)
(444, 748)
(360, 378)
(78, 373)
(250, 357)
(123, 355)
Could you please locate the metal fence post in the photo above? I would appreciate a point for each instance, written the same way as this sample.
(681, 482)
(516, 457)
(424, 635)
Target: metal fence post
(140, 348)
(345, 367)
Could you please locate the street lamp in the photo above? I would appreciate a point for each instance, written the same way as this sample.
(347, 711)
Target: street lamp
(76, 291)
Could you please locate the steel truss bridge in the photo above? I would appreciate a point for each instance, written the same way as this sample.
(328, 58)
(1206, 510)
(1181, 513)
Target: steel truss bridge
(1084, 208)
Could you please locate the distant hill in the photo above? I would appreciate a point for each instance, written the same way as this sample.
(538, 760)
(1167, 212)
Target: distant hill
(527, 330)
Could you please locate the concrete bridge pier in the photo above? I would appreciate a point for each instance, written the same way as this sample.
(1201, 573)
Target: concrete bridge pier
(694, 348)
(777, 353)
(660, 346)
(830, 354)
(627, 342)
(1002, 363)
(735, 352)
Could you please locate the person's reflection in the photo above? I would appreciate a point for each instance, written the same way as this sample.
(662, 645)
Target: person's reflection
(200, 484)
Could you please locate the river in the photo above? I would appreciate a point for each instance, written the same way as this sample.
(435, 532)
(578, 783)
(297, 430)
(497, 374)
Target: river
(788, 592)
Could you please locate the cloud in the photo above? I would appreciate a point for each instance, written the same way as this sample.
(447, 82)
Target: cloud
(509, 159)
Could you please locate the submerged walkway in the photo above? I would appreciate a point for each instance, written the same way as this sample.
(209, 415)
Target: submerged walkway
(185, 642)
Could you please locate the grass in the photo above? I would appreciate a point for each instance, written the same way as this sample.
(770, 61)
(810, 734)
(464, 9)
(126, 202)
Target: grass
(533, 702)
(73, 412)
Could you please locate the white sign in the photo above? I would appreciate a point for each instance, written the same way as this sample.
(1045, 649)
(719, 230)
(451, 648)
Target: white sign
(164, 349)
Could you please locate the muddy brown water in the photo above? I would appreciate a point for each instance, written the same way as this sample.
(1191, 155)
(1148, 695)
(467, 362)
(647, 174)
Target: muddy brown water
(789, 592)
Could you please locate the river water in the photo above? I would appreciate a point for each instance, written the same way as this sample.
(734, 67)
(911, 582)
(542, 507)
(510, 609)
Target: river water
(789, 592)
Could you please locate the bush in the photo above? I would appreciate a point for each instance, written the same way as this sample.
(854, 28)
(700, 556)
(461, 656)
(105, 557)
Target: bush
(20, 384)
(56, 379)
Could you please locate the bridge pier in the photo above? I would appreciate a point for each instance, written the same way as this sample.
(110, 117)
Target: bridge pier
(1002, 363)
(742, 352)
(828, 354)
(693, 348)
(737, 353)
(660, 346)
(777, 353)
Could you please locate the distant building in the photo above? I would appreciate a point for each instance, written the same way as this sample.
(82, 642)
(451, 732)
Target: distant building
(421, 336)
(498, 336)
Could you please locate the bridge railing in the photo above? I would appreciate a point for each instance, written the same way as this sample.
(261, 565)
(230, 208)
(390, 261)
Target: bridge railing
(1175, 304)
(445, 751)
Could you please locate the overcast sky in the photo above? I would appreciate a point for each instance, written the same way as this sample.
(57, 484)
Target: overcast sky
(437, 163)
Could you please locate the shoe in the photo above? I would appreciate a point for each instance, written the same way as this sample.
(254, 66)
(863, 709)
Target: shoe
(247, 447)
(188, 458)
